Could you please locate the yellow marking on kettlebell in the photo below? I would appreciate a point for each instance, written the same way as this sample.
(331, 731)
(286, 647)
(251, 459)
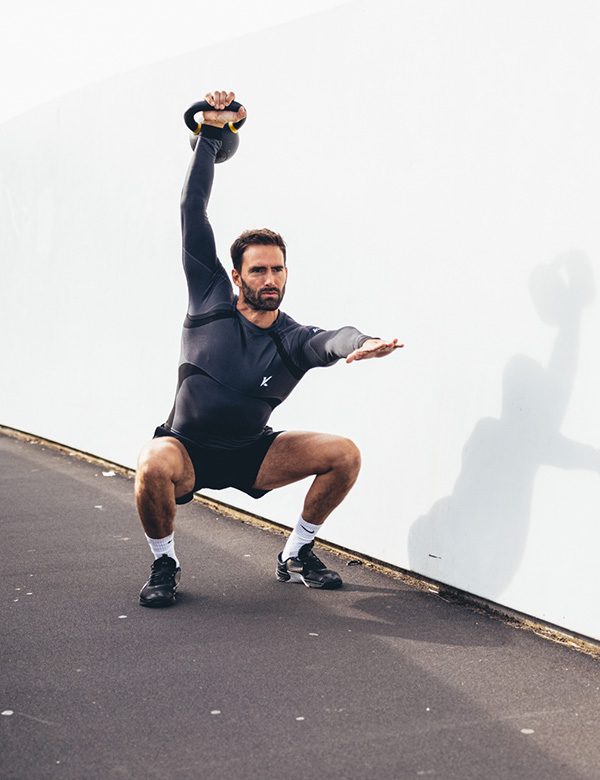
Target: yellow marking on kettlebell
(197, 130)
(232, 127)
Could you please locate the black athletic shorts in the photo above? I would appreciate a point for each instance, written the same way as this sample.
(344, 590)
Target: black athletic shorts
(218, 469)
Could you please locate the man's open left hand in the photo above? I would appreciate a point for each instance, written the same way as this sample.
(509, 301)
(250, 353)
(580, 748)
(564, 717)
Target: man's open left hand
(374, 348)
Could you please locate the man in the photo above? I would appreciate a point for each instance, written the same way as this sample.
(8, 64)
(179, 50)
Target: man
(241, 356)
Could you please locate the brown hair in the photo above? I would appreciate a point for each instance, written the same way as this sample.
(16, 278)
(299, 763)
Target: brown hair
(262, 237)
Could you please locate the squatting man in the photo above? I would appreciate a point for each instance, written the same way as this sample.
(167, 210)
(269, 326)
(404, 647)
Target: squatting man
(241, 356)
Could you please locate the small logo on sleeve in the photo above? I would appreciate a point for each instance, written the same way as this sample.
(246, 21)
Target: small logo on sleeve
(266, 380)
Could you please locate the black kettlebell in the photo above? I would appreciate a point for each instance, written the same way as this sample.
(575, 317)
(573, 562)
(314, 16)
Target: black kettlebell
(231, 140)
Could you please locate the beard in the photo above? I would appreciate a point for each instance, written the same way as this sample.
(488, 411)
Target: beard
(258, 301)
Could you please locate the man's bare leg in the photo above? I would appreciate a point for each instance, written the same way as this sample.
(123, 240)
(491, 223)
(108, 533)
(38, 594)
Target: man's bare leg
(164, 473)
(334, 462)
(294, 455)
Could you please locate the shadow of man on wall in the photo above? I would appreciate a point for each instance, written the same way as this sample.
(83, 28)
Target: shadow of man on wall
(475, 538)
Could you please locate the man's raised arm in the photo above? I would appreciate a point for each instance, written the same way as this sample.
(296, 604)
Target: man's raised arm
(197, 234)
(198, 237)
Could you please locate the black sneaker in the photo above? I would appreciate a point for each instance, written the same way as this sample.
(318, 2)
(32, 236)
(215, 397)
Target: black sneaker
(160, 589)
(307, 568)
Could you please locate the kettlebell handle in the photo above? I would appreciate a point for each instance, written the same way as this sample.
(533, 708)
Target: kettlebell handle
(203, 105)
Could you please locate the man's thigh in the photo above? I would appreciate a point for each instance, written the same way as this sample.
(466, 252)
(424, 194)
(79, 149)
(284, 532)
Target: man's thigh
(295, 455)
(167, 457)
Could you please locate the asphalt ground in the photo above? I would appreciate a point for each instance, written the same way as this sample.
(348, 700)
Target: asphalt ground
(246, 677)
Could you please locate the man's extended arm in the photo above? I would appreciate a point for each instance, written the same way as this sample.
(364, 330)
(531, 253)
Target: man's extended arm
(348, 342)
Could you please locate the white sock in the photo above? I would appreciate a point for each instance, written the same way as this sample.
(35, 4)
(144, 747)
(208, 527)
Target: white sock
(164, 546)
(302, 534)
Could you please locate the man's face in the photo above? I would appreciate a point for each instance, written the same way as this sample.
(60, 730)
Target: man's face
(263, 278)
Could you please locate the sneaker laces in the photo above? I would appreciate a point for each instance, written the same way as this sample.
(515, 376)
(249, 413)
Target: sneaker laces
(311, 559)
(162, 568)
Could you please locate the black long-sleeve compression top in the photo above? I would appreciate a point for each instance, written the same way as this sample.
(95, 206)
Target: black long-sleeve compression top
(232, 373)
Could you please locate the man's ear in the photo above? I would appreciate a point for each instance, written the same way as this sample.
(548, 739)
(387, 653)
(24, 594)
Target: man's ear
(235, 275)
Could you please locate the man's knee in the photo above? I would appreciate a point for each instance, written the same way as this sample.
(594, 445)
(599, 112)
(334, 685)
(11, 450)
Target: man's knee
(159, 462)
(347, 457)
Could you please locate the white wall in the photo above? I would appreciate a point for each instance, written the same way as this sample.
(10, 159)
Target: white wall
(50, 49)
(435, 170)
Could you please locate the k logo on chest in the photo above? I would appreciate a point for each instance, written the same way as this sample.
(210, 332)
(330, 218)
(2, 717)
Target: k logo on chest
(265, 382)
